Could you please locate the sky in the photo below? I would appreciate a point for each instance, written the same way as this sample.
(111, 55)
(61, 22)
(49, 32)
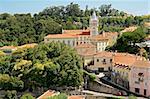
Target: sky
(135, 7)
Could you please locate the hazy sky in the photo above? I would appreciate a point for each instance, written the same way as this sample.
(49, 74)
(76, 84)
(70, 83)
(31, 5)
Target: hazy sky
(136, 7)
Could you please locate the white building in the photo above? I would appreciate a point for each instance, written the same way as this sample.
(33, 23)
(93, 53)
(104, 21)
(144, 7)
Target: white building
(74, 38)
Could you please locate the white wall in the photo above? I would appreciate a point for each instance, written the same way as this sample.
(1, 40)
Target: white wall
(68, 41)
(101, 45)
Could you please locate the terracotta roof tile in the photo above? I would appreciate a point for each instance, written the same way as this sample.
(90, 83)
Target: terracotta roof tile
(47, 94)
(86, 45)
(104, 36)
(74, 31)
(87, 52)
(76, 97)
(142, 63)
(125, 60)
(61, 36)
(104, 54)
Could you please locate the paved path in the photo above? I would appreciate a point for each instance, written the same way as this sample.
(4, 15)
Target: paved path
(107, 95)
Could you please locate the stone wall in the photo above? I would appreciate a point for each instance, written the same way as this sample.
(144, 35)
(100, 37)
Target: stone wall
(103, 88)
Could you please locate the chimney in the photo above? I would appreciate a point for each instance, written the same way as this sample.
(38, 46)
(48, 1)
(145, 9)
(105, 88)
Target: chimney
(62, 30)
(136, 57)
(103, 33)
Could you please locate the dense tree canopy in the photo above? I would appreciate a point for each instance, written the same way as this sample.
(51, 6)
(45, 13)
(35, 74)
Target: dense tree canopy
(60, 96)
(27, 96)
(126, 42)
(19, 29)
(45, 66)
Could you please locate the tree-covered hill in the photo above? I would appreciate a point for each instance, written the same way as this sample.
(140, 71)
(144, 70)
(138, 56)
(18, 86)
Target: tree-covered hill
(20, 29)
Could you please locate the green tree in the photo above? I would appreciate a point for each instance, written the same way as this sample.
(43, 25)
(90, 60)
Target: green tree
(10, 83)
(126, 43)
(6, 64)
(2, 53)
(132, 97)
(73, 9)
(60, 96)
(27, 96)
(45, 27)
(11, 95)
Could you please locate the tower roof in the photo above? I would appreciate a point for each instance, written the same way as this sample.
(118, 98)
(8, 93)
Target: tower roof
(94, 17)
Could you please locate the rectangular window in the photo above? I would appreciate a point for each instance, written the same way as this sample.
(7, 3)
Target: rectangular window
(77, 43)
(68, 42)
(144, 91)
(100, 69)
(137, 90)
(97, 60)
(104, 61)
(73, 43)
(110, 60)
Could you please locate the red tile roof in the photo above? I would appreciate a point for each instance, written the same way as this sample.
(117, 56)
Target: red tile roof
(86, 45)
(76, 97)
(85, 33)
(142, 63)
(103, 54)
(69, 34)
(104, 36)
(124, 59)
(87, 52)
(76, 31)
(47, 94)
(61, 36)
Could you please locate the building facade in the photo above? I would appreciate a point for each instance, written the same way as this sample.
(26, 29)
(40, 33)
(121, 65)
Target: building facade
(139, 81)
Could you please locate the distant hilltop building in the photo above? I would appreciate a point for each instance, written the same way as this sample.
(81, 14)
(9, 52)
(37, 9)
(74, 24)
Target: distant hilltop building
(10, 49)
(91, 35)
(147, 24)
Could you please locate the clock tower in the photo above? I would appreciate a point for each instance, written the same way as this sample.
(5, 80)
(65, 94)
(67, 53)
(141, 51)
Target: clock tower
(93, 24)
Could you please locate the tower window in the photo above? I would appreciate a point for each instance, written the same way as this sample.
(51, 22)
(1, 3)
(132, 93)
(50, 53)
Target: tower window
(144, 91)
